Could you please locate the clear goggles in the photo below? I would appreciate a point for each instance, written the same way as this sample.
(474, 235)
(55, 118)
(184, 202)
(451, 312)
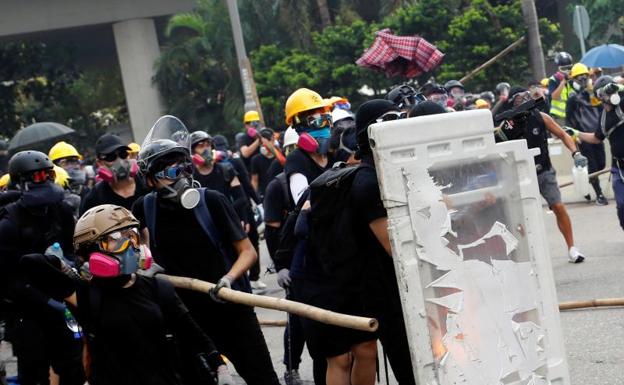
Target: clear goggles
(318, 122)
(119, 241)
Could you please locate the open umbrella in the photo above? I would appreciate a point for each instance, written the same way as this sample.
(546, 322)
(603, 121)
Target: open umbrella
(606, 56)
(37, 133)
(407, 56)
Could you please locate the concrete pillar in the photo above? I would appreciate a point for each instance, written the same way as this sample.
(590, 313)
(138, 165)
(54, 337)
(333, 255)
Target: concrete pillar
(137, 50)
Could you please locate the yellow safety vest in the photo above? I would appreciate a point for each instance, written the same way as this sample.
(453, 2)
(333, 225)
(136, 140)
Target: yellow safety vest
(558, 107)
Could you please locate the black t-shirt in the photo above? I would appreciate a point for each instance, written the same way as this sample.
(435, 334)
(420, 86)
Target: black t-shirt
(299, 162)
(536, 135)
(248, 141)
(181, 246)
(130, 327)
(260, 165)
(616, 139)
(276, 203)
(274, 169)
(102, 193)
(381, 288)
(219, 178)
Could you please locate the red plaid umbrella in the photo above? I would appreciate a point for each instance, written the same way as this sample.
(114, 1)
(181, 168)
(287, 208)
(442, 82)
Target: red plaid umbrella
(407, 56)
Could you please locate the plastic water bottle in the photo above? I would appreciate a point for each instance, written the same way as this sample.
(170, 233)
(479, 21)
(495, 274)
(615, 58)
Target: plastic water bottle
(55, 250)
(580, 176)
(72, 324)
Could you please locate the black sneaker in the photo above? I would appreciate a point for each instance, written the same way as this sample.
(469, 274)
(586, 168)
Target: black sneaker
(601, 200)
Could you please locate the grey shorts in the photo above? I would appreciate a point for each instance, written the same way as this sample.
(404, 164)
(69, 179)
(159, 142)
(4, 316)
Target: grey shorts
(548, 186)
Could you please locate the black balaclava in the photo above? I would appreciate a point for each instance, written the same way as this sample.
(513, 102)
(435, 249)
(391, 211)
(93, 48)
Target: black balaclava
(365, 116)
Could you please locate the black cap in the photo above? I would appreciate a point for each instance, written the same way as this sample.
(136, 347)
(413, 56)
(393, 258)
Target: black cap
(108, 143)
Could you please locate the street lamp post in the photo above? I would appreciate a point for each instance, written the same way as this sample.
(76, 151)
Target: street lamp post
(249, 86)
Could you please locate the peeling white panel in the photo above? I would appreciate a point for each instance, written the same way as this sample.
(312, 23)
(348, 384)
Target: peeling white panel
(481, 294)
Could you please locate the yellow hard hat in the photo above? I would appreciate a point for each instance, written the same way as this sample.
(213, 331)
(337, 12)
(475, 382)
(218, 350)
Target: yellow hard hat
(5, 180)
(579, 69)
(134, 148)
(302, 100)
(63, 150)
(62, 177)
(481, 103)
(251, 116)
(544, 82)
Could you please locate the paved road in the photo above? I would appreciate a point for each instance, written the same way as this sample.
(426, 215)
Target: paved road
(594, 339)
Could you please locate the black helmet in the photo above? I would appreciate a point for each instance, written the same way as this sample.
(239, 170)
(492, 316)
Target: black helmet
(240, 140)
(220, 143)
(602, 81)
(452, 84)
(26, 162)
(404, 96)
(563, 59)
(267, 133)
(501, 86)
(157, 150)
(199, 136)
(433, 88)
(488, 95)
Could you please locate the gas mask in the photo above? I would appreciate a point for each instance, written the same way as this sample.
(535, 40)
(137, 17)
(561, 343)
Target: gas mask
(580, 83)
(609, 94)
(204, 159)
(121, 169)
(119, 254)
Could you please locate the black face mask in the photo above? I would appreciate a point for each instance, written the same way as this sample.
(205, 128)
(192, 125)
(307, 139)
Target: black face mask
(41, 194)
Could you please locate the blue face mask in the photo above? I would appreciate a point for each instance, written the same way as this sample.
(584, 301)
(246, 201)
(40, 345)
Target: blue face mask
(322, 133)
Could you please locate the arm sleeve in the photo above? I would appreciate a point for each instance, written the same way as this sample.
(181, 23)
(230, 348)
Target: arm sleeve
(184, 326)
(570, 107)
(298, 184)
(239, 201)
(243, 177)
(366, 197)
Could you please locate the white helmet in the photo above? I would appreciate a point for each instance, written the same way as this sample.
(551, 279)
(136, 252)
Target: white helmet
(290, 137)
(339, 114)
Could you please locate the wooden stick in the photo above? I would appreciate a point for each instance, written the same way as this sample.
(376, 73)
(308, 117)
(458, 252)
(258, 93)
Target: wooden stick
(272, 322)
(300, 309)
(593, 174)
(591, 303)
(493, 60)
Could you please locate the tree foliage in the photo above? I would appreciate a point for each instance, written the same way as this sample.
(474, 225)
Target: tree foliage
(44, 84)
(607, 22)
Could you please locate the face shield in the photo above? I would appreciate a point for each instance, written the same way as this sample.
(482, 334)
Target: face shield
(168, 127)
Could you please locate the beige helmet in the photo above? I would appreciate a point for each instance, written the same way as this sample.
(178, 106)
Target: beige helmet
(101, 220)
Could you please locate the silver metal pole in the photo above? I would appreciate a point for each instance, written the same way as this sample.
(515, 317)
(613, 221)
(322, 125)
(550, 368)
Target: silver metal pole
(577, 15)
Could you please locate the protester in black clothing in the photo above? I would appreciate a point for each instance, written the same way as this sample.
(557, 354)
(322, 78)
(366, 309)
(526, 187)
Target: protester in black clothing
(612, 129)
(220, 144)
(131, 322)
(34, 222)
(261, 162)
(220, 176)
(534, 126)
(381, 296)
(220, 252)
(250, 140)
(118, 183)
(583, 115)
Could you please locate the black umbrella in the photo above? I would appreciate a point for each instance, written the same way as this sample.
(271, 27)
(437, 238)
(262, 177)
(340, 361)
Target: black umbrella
(37, 133)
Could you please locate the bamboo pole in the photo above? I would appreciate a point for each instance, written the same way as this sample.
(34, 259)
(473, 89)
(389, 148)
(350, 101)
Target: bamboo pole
(493, 60)
(271, 322)
(300, 309)
(593, 174)
(591, 303)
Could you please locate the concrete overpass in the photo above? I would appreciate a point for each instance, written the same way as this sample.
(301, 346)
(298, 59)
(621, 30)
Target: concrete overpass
(101, 30)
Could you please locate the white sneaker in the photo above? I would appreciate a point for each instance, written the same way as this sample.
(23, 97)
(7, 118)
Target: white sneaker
(258, 285)
(575, 256)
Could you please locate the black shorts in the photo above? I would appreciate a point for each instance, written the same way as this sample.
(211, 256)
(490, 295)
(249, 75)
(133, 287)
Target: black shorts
(325, 341)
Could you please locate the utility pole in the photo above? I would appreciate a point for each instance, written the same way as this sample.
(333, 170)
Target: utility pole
(536, 56)
(249, 86)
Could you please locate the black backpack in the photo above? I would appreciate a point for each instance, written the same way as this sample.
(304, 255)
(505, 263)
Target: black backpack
(288, 240)
(332, 222)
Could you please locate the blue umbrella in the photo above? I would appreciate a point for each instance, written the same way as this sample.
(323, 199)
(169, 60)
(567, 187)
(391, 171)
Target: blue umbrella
(606, 56)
